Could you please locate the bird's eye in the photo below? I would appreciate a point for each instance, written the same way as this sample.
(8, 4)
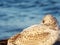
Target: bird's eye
(43, 21)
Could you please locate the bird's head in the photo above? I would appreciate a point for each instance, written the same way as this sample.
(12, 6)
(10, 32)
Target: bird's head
(49, 20)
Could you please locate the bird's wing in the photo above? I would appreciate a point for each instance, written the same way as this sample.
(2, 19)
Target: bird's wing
(32, 39)
(32, 35)
(24, 32)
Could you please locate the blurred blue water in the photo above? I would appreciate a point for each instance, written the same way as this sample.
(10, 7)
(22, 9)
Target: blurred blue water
(16, 15)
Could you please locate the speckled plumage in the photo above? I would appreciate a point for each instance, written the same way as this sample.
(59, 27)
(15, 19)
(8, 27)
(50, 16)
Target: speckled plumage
(45, 33)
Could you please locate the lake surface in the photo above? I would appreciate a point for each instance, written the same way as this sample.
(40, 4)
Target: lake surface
(15, 15)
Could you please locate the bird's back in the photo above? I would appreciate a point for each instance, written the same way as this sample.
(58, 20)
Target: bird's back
(34, 35)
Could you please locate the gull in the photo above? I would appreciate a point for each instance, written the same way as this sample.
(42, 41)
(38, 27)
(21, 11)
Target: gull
(44, 33)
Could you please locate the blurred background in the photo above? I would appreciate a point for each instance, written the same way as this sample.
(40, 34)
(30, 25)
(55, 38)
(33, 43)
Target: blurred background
(15, 15)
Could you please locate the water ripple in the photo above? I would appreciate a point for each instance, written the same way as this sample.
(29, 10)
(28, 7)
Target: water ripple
(18, 14)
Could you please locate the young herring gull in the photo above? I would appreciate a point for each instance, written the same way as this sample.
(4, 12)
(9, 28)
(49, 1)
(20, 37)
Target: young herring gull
(45, 33)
